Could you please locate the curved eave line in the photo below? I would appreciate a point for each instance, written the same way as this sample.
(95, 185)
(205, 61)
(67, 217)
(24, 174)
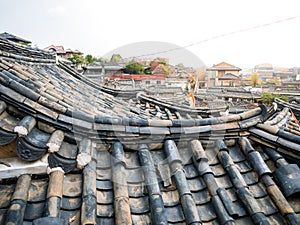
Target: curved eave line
(180, 108)
(138, 122)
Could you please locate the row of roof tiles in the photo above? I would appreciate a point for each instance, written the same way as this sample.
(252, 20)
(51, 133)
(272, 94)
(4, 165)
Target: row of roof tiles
(218, 185)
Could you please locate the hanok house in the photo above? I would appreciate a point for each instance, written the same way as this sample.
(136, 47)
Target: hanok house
(138, 80)
(97, 71)
(62, 52)
(73, 154)
(115, 73)
(223, 75)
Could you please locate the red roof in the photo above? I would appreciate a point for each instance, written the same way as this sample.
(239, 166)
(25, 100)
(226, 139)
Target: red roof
(137, 77)
(59, 49)
(154, 65)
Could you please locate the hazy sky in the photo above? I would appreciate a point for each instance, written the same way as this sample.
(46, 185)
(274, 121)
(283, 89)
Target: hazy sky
(97, 27)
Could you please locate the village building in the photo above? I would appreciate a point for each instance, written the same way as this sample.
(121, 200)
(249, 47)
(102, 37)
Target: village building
(115, 73)
(223, 75)
(97, 71)
(62, 52)
(265, 71)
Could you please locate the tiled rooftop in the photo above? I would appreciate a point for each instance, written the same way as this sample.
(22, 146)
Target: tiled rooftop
(72, 152)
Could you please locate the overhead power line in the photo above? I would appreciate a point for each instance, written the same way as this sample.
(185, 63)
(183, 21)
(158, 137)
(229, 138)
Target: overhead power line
(217, 37)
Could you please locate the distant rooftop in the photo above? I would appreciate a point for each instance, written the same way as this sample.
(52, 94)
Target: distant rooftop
(224, 66)
(264, 66)
(59, 49)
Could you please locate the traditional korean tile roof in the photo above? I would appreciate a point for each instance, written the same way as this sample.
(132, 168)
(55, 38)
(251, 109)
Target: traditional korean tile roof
(293, 105)
(14, 38)
(75, 153)
(245, 98)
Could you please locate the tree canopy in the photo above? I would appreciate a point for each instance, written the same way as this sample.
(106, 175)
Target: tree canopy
(89, 59)
(77, 59)
(269, 97)
(180, 65)
(116, 58)
(134, 68)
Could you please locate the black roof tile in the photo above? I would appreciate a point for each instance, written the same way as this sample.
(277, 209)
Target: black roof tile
(38, 190)
(206, 212)
(174, 214)
(258, 190)
(276, 219)
(105, 197)
(104, 184)
(2, 215)
(224, 182)
(244, 221)
(190, 171)
(37, 138)
(218, 170)
(134, 176)
(34, 211)
(139, 205)
(6, 192)
(136, 190)
(141, 219)
(71, 203)
(105, 210)
(196, 184)
(72, 185)
(106, 221)
(170, 198)
(295, 203)
(201, 197)
(267, 206)
(71, 217)
(103, 174)
(28, 152)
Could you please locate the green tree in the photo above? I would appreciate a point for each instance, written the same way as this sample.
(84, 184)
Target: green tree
(134, 68)
(77, 60)
(180, 65)
(101, 59)
(89, 59)
(268, 98)
(162, 61)
(166, 70)
(116, 58)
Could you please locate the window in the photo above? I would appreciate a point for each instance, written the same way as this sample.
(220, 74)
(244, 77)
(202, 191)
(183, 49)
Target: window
(158, 82)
